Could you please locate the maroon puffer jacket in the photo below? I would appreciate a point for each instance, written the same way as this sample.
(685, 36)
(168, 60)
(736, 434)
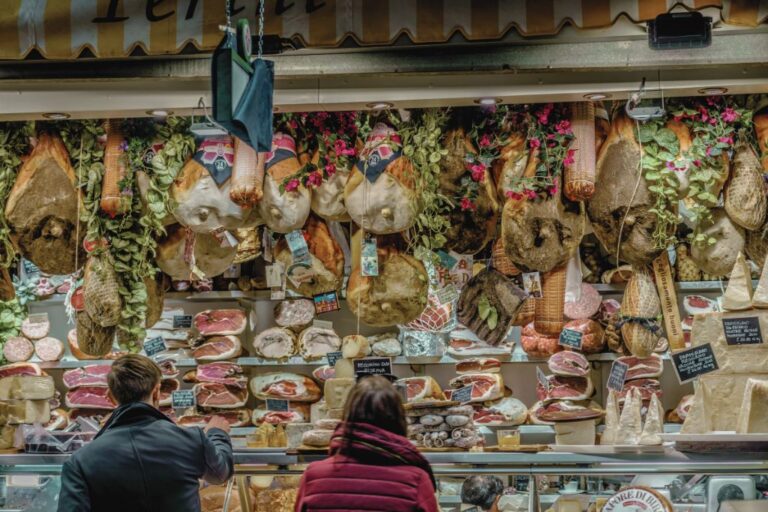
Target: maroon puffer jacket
(378, 471)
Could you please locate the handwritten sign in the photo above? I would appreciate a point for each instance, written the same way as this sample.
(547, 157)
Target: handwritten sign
(183, 398)
(463, 395)
(570, 338)
(182, 322)
(694, 362)
(333, 357)
(154, 346)
(617, 376)
(274, 404)
(742, 331)
(447, 294)
(665, 284)
(373, 366)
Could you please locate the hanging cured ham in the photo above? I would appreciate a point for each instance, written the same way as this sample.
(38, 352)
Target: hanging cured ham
(718, 259)
(473, 218)
(184, 254)
(42, 208)
(745, 199)
(247, 175)
(286, 202)
(380, 195)
(201, 191)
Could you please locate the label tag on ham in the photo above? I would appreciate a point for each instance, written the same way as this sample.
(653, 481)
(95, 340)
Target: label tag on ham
(183, 399)
(742, 331)
(373, 366)
(369, 266)
(542, 378)
(665, 285)
(182, 322)
(461, 272)
(268, 245)
(446, 260)
(532, 284)
(617, 376)
(300, 273)
(463, 395)
(447, 294)
(693, 362)
(570, 338)
(38, 318)
(333, 357)
(154, 346)
(298, 246)
(277, 405)
(274, 275)
(326, 302)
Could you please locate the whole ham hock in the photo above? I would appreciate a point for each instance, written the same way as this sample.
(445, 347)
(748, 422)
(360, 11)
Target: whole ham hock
(42, 208)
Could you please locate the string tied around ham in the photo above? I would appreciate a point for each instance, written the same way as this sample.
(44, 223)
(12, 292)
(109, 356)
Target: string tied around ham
(651, 324)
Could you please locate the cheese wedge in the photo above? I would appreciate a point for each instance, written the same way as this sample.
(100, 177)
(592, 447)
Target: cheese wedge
(738, 295)
(760, 297)
(652, 429)
(611, 419)
(25, 411)
(336, 392)
(753, 415)
(630, 422)
(26, 387)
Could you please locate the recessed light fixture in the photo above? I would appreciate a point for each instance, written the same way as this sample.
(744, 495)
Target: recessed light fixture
(56, 116)
(159, 113)
(379, 105)
(486, 102)
(713, 91)
(596, 96)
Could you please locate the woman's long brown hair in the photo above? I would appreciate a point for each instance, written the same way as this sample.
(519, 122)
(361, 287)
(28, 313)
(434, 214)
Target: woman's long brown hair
(374, 400)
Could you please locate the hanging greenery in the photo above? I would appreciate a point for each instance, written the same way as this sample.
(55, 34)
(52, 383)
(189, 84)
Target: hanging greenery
(11, 315)
(14, 142)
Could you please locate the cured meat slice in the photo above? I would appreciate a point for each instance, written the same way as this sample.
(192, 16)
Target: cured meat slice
(565, 388)
(230, 374)
(478, 365)
(486, 386)
(679, 413)
(298, 413)
(488, 305)
(49, 349)
(235, 418)
(295, 313)
(422, 389)
(91, 375)
(642, 367)
(220, 322)
(42, 208)
(316, 342)
(564, 410)
(167, 387)
(587, 305)
(168, 369)
(213, 394)
(538, 345)
(507, 411)
(18, 349)
(24, 368)
(218, 348)
(275, 343)
(323, 373)
(287, 386)
(461, 347)
(698, 304)
(36, 330)
(646, 387)
(90, 397)
(569, 364)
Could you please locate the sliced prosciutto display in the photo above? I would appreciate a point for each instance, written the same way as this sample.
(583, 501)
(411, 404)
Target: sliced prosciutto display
(167, 387)
(642, 367)
(422, 389)
(218, 322)
(10, 370)
(565, 410)
(218, 348)
(568, 363)
(168, 369)
(647, 388)
(299, 413)
(219, 372)
(286, 386)
(570, 388)
(486, 386)
(91, 375)
(89, 397)
(235, 418)
(211, 394)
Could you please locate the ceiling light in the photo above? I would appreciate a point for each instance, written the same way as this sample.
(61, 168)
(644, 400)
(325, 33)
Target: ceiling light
(380, 105)
(486, 102)
(713, 91)
(596, 96)
(56, 116)
(159, 113)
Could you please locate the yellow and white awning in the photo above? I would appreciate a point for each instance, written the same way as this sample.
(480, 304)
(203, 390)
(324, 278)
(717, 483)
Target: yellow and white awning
(68, 29)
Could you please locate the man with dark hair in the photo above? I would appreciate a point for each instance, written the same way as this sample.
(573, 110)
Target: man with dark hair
(140, 460)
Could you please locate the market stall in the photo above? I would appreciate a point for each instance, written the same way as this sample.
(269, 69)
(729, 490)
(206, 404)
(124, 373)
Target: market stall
(564, 268)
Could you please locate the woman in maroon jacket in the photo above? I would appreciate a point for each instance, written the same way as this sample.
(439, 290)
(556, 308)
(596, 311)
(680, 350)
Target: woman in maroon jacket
(372, 466)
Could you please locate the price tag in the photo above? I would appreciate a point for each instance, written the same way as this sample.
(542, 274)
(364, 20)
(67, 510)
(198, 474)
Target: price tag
(274, 275)
(322, 324)
(300, 273)
(276, 405)
(446, 260)
(447, 294)
(369, 258)
(463, 395)
(225, 238)
(742, 331)
(462, 270)
(617, 376)
(267, 245)
(542, 378)
(38, 318)
(570, 338)
(183, 398)
(182, 322)
(154, 346)
(532, 284)
(298, 246)
(373, 366)
(326, 302)
(333, 357)
(693, 362)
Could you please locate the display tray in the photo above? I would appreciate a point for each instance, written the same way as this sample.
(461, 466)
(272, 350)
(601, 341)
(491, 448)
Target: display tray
(599, 449)
(718, 442)
(523, 448)
(303, 449)
(437, 404)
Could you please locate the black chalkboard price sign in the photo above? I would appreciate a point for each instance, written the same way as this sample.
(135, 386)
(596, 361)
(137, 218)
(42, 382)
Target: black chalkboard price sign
(742, 331)
(182, 321)
(373, 365)
(277, 405)
(617, 376)
(571, 339)
(183, 398)
(694, 362)
(463, 395)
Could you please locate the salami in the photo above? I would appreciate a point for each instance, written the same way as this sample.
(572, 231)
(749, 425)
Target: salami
(49, 349)
(36, 330)
(587, 305)
(18, 349)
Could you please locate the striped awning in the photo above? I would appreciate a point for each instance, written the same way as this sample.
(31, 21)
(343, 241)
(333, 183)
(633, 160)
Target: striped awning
(67, 29)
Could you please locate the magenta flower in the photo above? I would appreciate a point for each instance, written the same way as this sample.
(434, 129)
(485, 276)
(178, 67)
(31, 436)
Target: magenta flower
(478, 172)
(563, 127)
(569, 160)
(484, 141)
(530, 194)
(725, 140)
(697, 163)
(671, 166)
(534, 143)
(330, 170)
(315, 179)
(729, 115)
(514, 195)
(467, 204)
(709, 151)
(292, 185)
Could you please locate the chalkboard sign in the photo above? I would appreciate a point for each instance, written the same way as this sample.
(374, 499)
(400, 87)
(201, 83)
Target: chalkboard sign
(617, 376)
(742, 331)
(182, 322)
(373, 365)
(570, 338)
(447, 294)
(463, 395)
(693, 362)
(274, 404)
(183, 399)
(333, 357)
(154, 346)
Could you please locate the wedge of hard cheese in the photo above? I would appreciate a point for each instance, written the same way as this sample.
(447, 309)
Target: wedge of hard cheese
(716, 405)
(753, 416)
(26, 387)
(760, 297)
(15, 412)
(738, 295)
(708, 328)
(336, 392)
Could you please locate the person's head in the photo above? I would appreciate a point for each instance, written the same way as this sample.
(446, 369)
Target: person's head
(374, 400)
(482, 491)
(134, 378)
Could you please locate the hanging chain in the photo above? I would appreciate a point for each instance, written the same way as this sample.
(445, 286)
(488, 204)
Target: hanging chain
(261, 29)
(228, 9)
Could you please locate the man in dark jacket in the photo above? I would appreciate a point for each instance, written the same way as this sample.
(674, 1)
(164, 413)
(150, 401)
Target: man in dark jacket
(141, 460)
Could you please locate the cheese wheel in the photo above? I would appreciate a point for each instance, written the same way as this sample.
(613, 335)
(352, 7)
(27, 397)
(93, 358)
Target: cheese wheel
(355, 347)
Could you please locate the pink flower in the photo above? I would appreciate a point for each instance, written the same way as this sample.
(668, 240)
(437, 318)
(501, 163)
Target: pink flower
(568, 161)
(349, 152)
(543, 118)
(330, 170)
(725, 140)
(514, 195)
(293, 124)
(697, 163)
(709, 151)
(671, 166)
(315, 179)
(563, 127)
(484, 141)
(729, 115)
(678, 118)
(550, 136)
(292, 185)
(478, 172)
(534, 143)
(467, 204)
(553, 190)
(530, 194)
(713, 121)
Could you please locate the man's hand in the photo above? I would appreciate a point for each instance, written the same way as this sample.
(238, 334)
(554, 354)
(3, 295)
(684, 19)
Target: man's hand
(217, 422)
